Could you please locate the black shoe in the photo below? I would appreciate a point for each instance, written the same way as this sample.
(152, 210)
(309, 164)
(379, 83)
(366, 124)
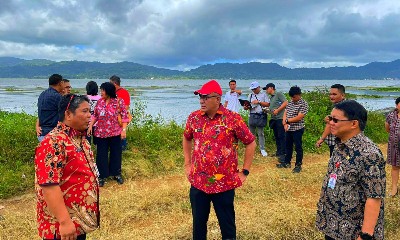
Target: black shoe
(281, 158)
(119, 179)
(283, 165)
(297, 169)
(101, 182)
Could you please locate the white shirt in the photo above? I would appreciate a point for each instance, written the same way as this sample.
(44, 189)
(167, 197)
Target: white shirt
(262, 97)
(233, 101)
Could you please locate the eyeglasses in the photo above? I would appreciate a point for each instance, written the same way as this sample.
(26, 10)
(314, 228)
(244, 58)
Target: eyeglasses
(206, 97)
(335, 120)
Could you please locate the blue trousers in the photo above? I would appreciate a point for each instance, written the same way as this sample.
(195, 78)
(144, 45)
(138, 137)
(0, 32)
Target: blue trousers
(224, 209)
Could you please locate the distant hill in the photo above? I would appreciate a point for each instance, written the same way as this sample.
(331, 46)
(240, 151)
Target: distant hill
(42, 68)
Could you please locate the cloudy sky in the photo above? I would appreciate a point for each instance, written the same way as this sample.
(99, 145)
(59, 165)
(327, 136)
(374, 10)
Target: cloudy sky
(183, 34)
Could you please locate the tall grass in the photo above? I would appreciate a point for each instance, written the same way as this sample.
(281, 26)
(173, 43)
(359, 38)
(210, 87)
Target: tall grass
(154, 145)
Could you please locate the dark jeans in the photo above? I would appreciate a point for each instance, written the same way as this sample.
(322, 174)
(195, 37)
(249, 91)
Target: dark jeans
(328, 238)
(80, 237)
(224, 209)
(296, 138)
(279, 133)
(124, 144)
(108, 167)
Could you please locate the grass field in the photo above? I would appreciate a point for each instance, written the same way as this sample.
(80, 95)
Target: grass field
(272, 204)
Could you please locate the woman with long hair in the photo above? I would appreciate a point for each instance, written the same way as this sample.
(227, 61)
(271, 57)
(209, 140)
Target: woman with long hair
(109, 133)
(392, 126)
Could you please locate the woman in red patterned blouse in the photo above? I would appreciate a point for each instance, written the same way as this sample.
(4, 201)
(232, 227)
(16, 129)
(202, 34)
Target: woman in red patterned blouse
(109, 133)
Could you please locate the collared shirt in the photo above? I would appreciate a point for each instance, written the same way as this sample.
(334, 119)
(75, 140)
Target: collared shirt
(292, 110)
(276, 101)
(359, 167)
(124, 94)
(262, 97)
(60, 160)
(214, 165)
(48, 109)
(233, 101)
(106, 117)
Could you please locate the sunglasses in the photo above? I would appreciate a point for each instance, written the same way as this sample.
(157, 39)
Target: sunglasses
(335, 120)
(206, 97)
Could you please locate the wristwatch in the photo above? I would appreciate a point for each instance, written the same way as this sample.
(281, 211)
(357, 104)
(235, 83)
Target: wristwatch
(286, 121)
(366, 236)
(245, 172)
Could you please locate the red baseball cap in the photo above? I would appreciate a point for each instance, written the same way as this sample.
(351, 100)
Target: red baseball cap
(209, 87)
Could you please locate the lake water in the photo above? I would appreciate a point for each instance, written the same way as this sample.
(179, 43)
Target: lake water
(174, 99)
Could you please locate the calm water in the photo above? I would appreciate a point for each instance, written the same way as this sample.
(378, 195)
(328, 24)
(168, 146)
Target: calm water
(174, 99)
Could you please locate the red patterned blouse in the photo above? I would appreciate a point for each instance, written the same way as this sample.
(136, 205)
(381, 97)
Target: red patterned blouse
(215, 158)
(106, 117)
(60, 160)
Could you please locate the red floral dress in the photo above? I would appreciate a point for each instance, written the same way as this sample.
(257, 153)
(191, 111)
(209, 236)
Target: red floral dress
(60, 160)
(214, 166)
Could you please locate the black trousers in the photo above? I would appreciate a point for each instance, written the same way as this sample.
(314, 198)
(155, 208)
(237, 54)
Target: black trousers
(80, 237)
(109, 165)
(331, 150)
(223, 207)
(279, 133)
(296, 138)
(328, 238)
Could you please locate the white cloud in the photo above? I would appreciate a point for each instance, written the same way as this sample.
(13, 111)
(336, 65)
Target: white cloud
(181, 34)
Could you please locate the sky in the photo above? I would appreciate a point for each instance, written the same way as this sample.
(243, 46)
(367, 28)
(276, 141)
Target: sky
(185, 34)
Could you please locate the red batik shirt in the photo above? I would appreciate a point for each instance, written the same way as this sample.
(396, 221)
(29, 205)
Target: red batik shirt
(60, 160)
(106, 117)
(214, 165)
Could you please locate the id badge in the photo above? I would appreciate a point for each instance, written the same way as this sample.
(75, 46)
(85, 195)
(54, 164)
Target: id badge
(332, 180)
(102, 113)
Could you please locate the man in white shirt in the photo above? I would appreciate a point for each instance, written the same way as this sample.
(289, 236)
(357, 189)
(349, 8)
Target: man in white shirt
(232, 97)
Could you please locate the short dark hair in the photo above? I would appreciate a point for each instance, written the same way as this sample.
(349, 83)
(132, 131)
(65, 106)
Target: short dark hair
(72, 101)
(339, 87)
(55, 79)
(115, 79)
(232, 80)
(109, 88)
(295, 90)
(65, 80)
(353, 111)
(92, 88)
(397, 100)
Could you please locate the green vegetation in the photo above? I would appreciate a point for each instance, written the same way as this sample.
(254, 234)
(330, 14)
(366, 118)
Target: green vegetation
(154, 145)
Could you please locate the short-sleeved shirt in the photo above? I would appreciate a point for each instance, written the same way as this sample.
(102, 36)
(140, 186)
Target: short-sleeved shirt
(276, 101)
(262, 97)
(233, 101)
(359, 167)
(48, 109)
(124, 94)
(214, 164)
(60, 160)
(106, 117)
(293, 109)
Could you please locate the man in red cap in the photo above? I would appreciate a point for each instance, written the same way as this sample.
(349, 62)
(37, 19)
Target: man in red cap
(211, 166)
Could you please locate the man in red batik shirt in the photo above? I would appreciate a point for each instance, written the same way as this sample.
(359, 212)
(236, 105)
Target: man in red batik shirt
(212, 166)
(66, 176)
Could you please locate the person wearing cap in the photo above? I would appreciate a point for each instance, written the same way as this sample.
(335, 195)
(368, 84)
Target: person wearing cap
(211, 165)
(293, 122)
(277, 107)
(232, 97)
(258, 100)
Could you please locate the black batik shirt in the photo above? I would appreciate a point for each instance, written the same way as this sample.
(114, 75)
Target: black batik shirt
(360, 169)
